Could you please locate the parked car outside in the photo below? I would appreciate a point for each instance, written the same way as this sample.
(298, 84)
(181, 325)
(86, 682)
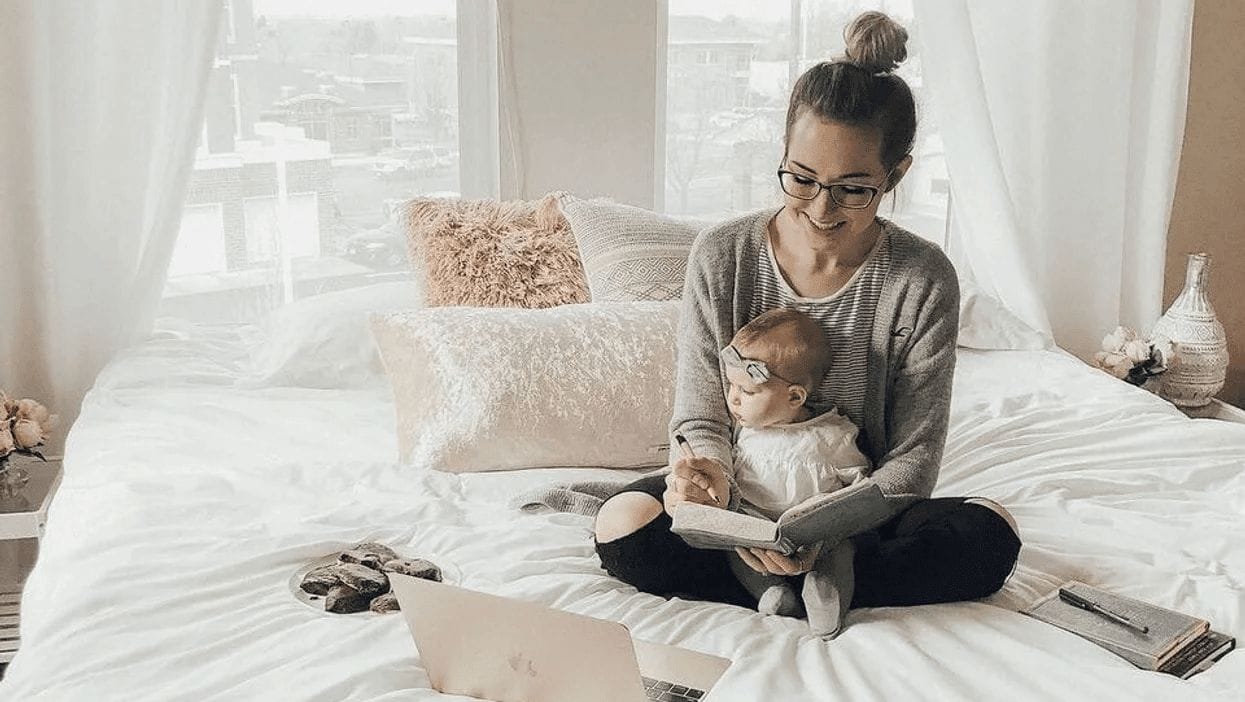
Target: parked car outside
(414, 161)
(383, 247)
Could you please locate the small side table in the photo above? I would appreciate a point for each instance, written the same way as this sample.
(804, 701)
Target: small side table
(1217, 409)
(22, 521)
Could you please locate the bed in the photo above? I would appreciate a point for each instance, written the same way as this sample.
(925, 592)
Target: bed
(190, 496)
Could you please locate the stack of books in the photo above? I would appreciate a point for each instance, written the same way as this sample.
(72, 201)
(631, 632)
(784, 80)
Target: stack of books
(1146, 635)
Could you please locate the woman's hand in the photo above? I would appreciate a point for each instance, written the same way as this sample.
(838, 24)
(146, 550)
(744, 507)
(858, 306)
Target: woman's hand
(691, 479)
(775, 563)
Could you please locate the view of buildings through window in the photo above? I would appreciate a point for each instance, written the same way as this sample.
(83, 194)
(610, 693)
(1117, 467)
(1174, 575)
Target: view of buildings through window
(731, 65)
(317, 123)
(322, 116)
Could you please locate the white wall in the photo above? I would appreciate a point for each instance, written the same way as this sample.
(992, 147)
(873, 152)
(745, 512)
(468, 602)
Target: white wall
(578, 97)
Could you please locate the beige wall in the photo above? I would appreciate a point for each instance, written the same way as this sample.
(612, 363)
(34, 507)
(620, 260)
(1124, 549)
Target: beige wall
(1209, 211)
(589, 124)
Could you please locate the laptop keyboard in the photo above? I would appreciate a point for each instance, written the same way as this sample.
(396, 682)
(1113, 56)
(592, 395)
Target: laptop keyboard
(662, 691)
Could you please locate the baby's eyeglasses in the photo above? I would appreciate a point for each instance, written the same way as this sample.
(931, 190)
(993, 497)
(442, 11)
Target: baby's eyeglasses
(757, 371)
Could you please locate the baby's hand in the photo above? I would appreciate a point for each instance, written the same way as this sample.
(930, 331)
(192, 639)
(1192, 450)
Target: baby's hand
(699, 480)
(775, 563)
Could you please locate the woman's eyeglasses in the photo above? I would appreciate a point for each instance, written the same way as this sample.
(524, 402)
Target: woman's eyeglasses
(852, 196)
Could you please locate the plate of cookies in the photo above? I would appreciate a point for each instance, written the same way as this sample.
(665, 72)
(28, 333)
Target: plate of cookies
(356, 580)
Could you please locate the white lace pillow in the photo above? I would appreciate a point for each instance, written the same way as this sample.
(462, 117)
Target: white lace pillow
(481, 389)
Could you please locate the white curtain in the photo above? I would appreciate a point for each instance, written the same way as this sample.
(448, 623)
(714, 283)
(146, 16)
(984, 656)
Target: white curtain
(101, 112)
(1062, 122)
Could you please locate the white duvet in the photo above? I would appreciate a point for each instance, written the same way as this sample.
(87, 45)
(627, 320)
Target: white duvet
(187, 503)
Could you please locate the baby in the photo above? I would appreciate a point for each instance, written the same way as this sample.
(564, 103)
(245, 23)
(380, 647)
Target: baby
(785, 455)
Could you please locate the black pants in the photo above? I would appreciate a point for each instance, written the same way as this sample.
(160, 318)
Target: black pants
(938, 550)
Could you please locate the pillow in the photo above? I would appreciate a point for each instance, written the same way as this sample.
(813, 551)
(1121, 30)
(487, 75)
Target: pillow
(987, 324)
(479, 389)
(629, 253)
(323, 341)
(485, 253)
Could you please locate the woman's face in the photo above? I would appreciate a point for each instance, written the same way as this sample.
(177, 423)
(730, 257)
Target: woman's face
(834, 152)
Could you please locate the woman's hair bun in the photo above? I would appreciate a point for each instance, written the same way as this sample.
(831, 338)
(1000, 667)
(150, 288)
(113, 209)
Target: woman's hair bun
(875, 42)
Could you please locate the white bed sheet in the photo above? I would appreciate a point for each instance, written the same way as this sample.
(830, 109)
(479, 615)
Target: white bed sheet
(187, 503)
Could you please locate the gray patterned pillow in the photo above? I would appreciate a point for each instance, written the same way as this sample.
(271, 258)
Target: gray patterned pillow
(629, 253)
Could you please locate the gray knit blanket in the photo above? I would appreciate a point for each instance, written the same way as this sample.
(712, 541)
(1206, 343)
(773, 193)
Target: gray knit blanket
(576, 498)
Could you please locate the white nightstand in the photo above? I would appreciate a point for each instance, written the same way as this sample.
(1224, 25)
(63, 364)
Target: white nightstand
(22, 520)
(1217, 409)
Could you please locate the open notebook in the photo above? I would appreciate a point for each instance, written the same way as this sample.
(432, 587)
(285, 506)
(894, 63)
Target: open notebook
(1173, 642)
(829, 517)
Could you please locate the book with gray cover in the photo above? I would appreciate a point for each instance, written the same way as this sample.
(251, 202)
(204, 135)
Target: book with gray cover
(1172, 635)
(829, 517)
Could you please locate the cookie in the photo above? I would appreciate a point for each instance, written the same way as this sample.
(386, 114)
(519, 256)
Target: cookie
(387, 602)
(318, 581)
(364, 580)
(369, 554)
(382, 551)
(345, 600)
(414, 567)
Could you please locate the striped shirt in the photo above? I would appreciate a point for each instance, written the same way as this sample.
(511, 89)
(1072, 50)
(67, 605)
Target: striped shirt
(911, 349)
(846, 316)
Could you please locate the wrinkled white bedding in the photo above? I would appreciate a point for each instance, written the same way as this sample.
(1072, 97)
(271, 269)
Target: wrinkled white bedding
(187, 503)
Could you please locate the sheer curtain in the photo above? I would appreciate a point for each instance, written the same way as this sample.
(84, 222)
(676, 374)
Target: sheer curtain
(1062, 122)
(729, 72)
(321, 118)
(103, 103)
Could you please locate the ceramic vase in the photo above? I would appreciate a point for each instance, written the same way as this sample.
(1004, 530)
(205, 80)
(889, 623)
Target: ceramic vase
(1199, 340)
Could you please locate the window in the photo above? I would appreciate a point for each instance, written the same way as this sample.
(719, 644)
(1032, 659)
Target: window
(200, 242)
(266, 233)
(725, 116)
(319, 116)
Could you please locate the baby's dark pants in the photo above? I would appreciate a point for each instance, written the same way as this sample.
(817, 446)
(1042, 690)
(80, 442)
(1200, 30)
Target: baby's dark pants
(938, 550)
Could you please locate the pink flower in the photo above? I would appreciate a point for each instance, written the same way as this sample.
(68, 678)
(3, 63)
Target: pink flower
(6, 441)
(1116, 340)
(29, 409)
(8, 406)
(1114, 363)
(27, 434)
(1137, 351)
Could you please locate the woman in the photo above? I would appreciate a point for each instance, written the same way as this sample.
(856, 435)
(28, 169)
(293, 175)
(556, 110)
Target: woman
(889, 303)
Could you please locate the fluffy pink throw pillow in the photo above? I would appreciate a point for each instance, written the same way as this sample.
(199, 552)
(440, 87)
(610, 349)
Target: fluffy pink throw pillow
(485, 253)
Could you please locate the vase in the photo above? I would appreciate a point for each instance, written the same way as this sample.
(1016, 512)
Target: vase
(1198, 338)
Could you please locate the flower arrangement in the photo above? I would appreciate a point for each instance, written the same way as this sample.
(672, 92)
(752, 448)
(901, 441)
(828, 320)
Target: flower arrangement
(1130, 358)
(24, 426)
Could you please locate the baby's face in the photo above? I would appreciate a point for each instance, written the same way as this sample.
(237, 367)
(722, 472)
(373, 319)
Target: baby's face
(763, 405)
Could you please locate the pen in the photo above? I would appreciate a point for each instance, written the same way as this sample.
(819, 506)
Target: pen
(1077, 601)
(686, 449)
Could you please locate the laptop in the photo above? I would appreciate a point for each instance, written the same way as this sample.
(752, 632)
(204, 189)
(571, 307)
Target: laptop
(508, 650)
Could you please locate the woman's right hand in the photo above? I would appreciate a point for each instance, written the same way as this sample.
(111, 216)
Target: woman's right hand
(691, 479)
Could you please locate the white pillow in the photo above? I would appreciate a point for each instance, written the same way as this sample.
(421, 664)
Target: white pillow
(323, 341)
(985, 323)
(480, 389)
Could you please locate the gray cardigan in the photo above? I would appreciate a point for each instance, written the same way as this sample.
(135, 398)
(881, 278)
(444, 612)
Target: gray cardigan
(911, 353)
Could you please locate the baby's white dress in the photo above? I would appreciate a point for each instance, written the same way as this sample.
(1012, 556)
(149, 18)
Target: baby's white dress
(779, 466)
